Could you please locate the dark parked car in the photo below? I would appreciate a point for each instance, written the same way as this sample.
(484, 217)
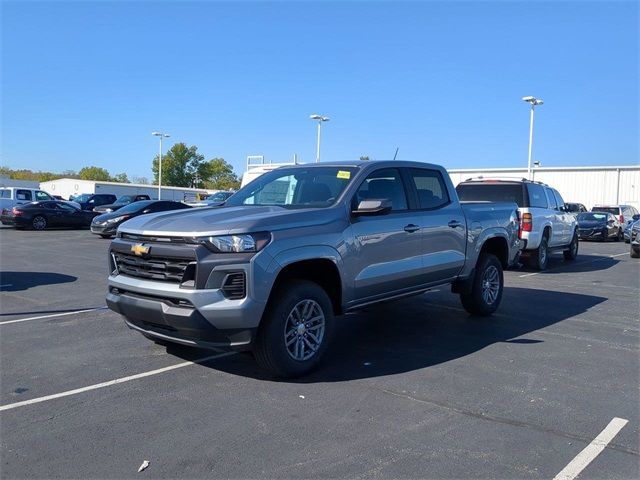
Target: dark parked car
(121, 202)
(634, 234)
(88, 201)
(107, 224)
(624, 214)
(41, 215)
(599, 226)
(575, 208)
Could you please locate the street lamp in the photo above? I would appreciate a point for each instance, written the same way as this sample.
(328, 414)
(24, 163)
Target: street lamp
(320, 119)
(533, 101)
(161, 135)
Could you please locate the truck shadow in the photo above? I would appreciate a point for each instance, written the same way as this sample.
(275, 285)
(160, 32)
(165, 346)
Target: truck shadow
(584, 263)
(18, 281)
(422, 332)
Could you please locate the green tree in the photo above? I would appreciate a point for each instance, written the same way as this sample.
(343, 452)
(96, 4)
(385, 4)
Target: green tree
(179, 166)
(364, 158)
(217, 174)
(121, 177)
(94, 173)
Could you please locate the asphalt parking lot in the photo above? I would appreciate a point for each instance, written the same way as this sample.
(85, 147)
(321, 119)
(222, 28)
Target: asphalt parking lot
(410, 389)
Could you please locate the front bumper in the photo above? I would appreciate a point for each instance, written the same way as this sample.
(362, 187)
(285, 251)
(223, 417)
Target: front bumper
(103, 229)
(591, 234)
(175, 322)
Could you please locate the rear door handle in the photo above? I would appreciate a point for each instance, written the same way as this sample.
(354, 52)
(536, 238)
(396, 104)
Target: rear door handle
(454, 224)
(411, 228)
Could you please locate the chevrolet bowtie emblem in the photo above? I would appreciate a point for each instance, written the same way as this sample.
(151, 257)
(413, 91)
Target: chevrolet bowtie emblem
(140, 249)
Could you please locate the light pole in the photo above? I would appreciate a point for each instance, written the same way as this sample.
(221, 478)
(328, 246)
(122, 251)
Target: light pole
(533, 101)
(161, 135)
(320, 119)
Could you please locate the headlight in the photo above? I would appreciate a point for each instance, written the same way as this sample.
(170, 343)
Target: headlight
(117, 219)
(244, 243)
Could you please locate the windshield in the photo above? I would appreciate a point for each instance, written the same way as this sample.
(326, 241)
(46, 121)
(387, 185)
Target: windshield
(592, 217)
(124, 199)
(82, 198)
(312, 187)
(219, 197)
(135, 206)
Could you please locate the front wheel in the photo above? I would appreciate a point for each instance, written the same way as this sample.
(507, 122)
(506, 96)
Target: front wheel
(486, 290)
(106, 236)
(295, 329)
(572, 252)
(39, 222)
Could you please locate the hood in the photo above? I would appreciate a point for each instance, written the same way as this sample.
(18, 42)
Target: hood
(109, 215)
(228, 220)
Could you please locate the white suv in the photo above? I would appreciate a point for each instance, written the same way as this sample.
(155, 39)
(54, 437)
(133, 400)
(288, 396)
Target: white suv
(546, 224)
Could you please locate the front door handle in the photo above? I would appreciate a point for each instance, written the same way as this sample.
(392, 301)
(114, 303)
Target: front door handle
(454, 224)
(411, 228)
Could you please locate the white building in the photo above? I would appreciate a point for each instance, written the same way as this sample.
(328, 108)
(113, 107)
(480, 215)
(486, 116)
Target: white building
(587, 185)
(66, 187)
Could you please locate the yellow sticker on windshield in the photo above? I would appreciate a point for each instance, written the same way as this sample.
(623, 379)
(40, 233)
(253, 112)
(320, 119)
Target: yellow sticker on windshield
(344, 174)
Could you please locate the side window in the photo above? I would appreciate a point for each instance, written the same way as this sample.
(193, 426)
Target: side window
(432, 191)
(41, 196)
(385, 183)
(5, 193)
(66, 207)
(537, 197)
(552, 200)
(559, 199)
(23, 195)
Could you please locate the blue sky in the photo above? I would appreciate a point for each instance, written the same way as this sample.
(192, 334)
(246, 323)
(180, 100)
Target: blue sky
(85, 83)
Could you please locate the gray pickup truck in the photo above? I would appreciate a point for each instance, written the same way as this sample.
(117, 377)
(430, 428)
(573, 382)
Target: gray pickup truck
(271, 269)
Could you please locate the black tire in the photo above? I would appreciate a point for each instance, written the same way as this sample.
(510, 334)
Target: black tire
(38, 222)
(539, 258)
(634, 252)
(619, 236)
(484, 299)
(106, 236)
(292, 300)
(572, 252)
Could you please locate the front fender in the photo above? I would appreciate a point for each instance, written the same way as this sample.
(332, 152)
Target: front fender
(298, 254)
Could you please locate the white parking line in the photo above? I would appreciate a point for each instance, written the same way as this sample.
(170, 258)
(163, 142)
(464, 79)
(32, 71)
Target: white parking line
(116, 381)
(586, 456)
(576, 264)
(53, 315)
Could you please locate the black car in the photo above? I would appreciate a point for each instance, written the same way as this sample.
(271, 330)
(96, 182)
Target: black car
(598, 226)
(89, 201)
(41, 215)
(575, 208)
(107, 224)
(121, 202)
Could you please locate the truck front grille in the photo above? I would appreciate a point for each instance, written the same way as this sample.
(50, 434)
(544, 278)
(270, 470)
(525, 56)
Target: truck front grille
(152, 268)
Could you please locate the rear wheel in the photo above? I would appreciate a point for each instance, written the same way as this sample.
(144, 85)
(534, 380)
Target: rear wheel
(620, 235)
(39, 222)
(572, 252)
(634, 252)
(295, 329)
(486, 290)
(539, 258)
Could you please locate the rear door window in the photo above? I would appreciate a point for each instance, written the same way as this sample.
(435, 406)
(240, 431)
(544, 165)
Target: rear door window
(552, 200)
(23, 195)
(492, 192)
(537, 197)
(614, 210)
(432, 192)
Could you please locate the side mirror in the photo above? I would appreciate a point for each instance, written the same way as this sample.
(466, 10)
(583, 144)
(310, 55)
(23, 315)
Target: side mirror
(380, 206)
